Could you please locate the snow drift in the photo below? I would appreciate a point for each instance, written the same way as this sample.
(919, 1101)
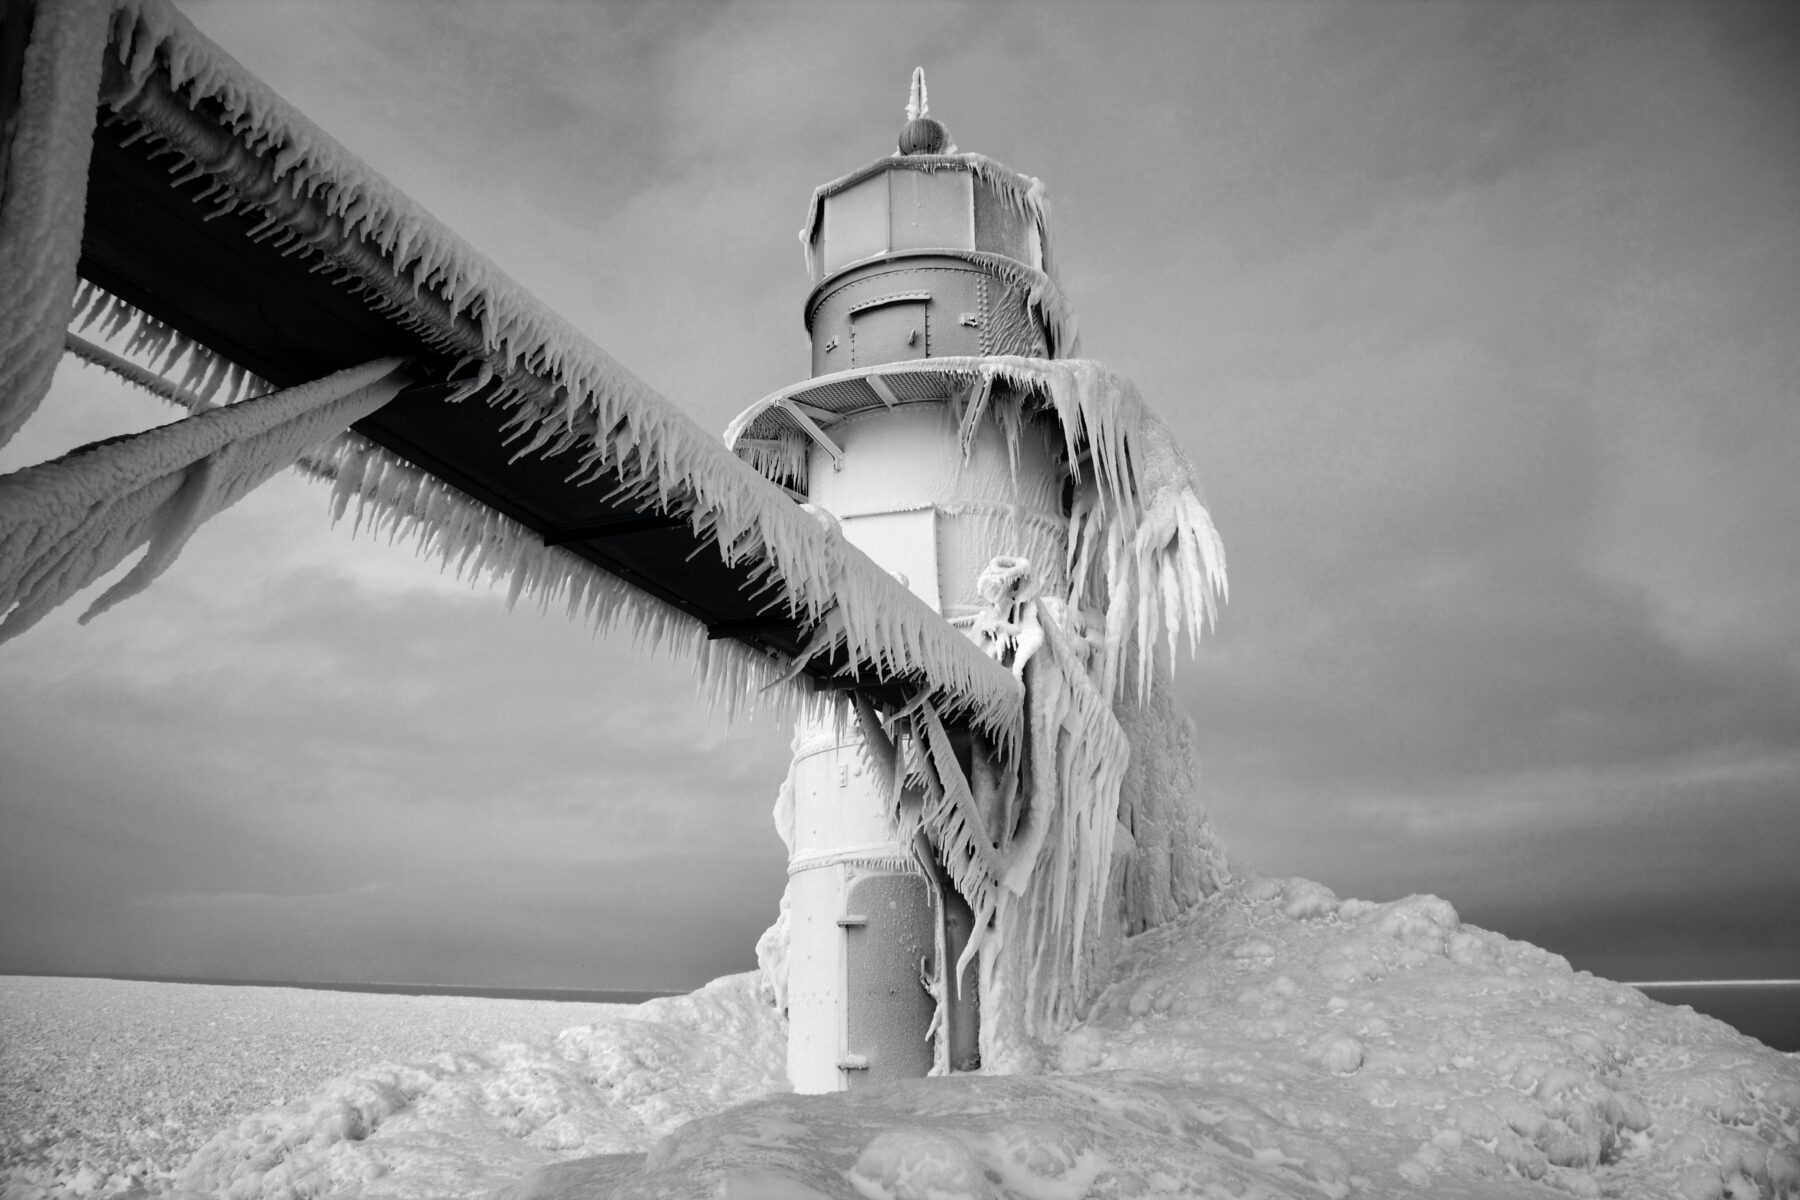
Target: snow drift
(459, 1123)
(1280, 1043)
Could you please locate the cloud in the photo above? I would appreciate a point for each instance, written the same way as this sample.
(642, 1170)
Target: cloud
(301, 734)
(631, 926)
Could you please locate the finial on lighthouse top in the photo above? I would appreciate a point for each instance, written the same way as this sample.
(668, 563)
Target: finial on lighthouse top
(922, 134)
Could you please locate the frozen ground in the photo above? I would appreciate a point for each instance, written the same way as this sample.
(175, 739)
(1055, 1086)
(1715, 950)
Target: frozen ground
(107, 1085)
(1275, 1043)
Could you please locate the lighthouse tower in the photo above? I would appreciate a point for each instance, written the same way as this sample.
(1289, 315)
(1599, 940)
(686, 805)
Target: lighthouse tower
(922, 255)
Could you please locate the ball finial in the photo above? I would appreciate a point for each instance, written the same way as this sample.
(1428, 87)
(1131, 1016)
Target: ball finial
(922, 134)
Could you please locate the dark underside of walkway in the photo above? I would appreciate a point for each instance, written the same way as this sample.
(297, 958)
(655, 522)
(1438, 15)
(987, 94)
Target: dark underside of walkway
(146, 242)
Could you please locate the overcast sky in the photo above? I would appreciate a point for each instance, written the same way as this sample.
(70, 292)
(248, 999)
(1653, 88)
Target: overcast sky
(1481, 323)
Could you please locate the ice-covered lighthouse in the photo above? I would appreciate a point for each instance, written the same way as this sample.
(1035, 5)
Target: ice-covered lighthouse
(939, 913)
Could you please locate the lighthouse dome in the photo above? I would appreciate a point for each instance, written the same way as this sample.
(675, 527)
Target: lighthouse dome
(924, 135)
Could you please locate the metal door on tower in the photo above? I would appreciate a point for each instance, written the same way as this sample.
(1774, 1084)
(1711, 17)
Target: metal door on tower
(890, 941)
(892, 329)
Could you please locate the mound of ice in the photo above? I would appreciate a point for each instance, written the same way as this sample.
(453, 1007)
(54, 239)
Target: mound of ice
(1276, 1042)
(462, 1123)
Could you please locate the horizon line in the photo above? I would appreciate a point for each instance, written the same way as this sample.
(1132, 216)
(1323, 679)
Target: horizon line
(1712, 983)
(310, 983)
(220, 981)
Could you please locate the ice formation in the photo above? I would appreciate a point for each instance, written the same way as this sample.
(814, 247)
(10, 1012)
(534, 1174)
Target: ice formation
(441, 1126)
(1033, 844)
(43, 195)
(1141, 544)
(138, 376)
(1058, 829)
(206, 376)
(66, 522)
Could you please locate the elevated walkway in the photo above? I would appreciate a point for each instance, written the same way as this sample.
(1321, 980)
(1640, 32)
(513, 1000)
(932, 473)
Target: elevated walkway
(217, 210)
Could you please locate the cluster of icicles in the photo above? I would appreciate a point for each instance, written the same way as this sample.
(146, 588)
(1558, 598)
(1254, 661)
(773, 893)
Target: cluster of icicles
(1026, 839)
(1142, 548)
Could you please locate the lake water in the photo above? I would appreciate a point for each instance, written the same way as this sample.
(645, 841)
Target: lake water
(566, 995)
(1768, 1012)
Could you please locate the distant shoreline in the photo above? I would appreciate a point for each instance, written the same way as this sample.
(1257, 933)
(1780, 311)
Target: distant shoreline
(1711, 983)
(1765, 1009)
(473, 991)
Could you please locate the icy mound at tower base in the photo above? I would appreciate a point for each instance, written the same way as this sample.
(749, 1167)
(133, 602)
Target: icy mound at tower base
(1276, 1042)
(463, 1123)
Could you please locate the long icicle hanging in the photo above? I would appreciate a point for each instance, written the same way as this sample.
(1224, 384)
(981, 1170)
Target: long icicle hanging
(154, 351)
(1026, 839)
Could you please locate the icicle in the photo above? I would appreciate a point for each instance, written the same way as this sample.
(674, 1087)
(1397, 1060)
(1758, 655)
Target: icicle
(129, 371)
(175, 523)
(918, 104)
(1046, 879)
(1140, 544)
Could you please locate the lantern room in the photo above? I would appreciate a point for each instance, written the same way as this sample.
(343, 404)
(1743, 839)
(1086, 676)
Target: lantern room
(929, 253)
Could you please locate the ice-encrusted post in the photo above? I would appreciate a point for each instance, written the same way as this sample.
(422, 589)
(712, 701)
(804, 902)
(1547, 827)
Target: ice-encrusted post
(951, 900)
(50, 60)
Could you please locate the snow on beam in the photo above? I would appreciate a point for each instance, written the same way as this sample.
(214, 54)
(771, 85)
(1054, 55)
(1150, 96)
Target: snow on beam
(296, 221)
(133, 374)
(400, 501)
(800, 414)
(66, 522)
(207, 375)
